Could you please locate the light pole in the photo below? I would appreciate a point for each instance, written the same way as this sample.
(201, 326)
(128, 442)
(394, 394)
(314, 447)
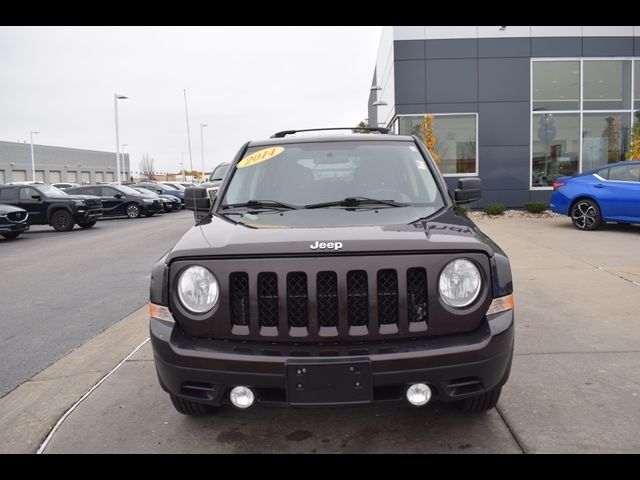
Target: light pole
(117, 97)
(124, 170)
(202, 125)
(33, 158)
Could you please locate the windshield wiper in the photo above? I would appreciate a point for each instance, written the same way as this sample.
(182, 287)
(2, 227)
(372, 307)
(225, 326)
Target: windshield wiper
(262, 204)
(356, 202)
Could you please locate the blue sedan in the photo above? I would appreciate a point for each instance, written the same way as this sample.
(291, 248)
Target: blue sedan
(604, 194)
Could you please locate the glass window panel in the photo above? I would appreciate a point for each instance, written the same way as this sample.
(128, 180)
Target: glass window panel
(556, 86)
(556, 147)
(454, 138)
(625, 173)
(637, 85)
(605, 137)
(607, 85)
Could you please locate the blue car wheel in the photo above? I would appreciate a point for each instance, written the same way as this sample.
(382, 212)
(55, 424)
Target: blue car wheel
(586, 215)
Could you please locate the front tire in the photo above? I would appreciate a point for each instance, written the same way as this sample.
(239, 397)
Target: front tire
(194, 409)
(133, 211)
(586, 215)
(62, 221)
(11, 236)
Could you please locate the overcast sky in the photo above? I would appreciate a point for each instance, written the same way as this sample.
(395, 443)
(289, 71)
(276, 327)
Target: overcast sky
(244, 82)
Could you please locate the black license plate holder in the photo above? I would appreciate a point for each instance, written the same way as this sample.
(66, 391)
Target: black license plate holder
(331, 383)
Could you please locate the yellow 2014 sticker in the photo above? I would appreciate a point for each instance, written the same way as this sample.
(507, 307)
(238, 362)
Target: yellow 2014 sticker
(260, 156)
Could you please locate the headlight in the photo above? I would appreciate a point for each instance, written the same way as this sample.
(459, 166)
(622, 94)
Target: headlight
(79, 203)
(198, 289)
(459, 283)
(147, 200)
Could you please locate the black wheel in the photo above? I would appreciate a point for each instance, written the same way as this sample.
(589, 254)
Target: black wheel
(481, 403)
(62, 221)
(133, 211)
(585, 215)
(11, 235)
(167, 209)
(87, 224)
(187, 407)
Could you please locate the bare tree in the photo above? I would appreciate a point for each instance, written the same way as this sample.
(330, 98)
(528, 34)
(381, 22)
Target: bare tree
(146, 167)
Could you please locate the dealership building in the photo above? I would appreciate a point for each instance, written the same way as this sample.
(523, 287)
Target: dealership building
(57, 164)
(518, 106)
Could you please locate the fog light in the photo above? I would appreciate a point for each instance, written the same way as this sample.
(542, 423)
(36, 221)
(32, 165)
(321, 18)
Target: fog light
(242, 397)
(418, 394)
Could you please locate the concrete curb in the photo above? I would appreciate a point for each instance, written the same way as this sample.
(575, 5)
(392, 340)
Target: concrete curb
(30, 412)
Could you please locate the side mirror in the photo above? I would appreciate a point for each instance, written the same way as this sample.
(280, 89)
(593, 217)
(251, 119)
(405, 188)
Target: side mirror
(469, 190)
(118, 196)
(36, 197)
(199, 200)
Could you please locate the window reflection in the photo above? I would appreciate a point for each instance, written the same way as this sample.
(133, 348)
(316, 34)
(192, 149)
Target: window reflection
(605, 138)
(556, 146)
(450, 138)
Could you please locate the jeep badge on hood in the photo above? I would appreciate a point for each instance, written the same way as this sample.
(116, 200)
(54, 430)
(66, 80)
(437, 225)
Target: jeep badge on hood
(326, 246)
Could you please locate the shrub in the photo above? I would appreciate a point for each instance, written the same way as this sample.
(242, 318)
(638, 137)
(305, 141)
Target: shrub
(463, 209)
(536, 207)
(494, 209)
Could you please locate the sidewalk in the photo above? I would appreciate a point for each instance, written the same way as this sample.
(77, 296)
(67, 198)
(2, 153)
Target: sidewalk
(574, 387)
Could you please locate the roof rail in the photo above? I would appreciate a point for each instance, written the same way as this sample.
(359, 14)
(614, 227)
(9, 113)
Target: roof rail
(284, 133)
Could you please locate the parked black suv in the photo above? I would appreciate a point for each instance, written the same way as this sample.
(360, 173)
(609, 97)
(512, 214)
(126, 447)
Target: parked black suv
(13, 221)
(118, 200)
(333, 270)
(48, 205)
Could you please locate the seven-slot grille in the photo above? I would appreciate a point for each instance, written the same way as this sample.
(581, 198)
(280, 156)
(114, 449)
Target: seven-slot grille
(366, 295)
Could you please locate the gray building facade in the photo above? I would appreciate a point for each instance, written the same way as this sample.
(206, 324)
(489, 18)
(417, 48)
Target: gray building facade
(57, 164)
(518, 106)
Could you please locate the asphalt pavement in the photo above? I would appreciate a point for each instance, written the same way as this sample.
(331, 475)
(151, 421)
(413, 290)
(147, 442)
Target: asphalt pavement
(57, 290)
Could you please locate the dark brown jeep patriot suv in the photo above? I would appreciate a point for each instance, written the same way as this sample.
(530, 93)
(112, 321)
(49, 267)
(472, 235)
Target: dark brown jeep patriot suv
(332, 270)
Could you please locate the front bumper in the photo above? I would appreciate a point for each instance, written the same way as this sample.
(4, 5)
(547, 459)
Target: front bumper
(455, 367)
(13, 227)
(153, 207)
(84, 216)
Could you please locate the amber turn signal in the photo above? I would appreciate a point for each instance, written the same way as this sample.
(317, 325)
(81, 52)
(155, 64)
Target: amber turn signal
(501, 304)
(160, 312)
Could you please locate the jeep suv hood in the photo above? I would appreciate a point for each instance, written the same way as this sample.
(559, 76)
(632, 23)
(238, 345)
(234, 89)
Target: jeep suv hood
(443, 232)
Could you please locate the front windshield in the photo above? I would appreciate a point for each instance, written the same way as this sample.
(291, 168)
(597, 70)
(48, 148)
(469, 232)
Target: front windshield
(219, 172)
(143, 191)
(51, 191)
(312, 173)
(175, 186)
(128, 190)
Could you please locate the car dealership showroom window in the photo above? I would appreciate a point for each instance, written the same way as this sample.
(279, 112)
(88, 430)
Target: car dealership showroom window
(581, 115)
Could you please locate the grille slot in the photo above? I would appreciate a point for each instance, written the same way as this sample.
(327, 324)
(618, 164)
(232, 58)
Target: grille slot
(239, 298)
(268, 299)
(417, 295)
(357, 298)
(388, 302)
(327, 287)
(297, 299)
